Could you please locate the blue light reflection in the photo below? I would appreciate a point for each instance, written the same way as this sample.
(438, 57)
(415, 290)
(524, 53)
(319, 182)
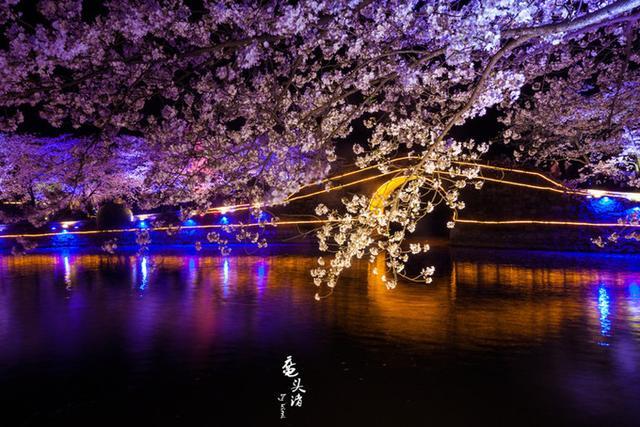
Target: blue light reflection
(604, 308)
(261, 277)
(192, 271)
(145, 273)
(225, 276)
(67, 271)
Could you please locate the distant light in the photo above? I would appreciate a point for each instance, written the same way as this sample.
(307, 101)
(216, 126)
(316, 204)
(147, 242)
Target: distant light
(142, 217)
(65, 230)
(190, 222)
(54, 228)
(224, 220)
(143, 224)
(634, 197)
(604, 205)
(67, 224)
(634, 291)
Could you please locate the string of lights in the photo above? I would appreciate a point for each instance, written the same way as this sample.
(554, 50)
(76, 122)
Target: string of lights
(544, 222)
(556, 188)
(164, 228)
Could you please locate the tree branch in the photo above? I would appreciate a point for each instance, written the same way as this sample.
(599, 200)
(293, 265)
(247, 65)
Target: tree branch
(604, 16)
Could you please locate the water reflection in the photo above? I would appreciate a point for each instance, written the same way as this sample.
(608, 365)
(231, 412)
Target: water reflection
(225, 275)
(603, 308)
(574, 318)
(144, 271)
(471, 302)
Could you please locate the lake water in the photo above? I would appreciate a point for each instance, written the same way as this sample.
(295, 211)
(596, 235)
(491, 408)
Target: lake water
(184, 338)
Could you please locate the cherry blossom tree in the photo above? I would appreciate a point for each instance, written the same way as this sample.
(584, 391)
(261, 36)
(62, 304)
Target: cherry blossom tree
(248, 100)
(53, 174)
(583, 114)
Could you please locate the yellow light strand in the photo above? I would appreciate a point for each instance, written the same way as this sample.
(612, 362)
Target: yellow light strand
(543, 222)
(520, 171)
(565, 189)
(560, 188)
(188, 227)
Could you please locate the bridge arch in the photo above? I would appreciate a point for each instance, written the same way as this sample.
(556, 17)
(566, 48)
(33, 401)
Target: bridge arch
(382, 193)
(435, 223)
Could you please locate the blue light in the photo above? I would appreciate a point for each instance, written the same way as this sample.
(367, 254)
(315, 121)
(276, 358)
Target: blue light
(64, 238)
(224, 220)
(604, 205)
(143, 224)
(604, 308)
(54, 228)
(634, 291)
(192, 271)
(261, 277)
(190, 222)
(631, 212)
(225, 276)
(605, 202)
(145, 273)
(67, 271)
